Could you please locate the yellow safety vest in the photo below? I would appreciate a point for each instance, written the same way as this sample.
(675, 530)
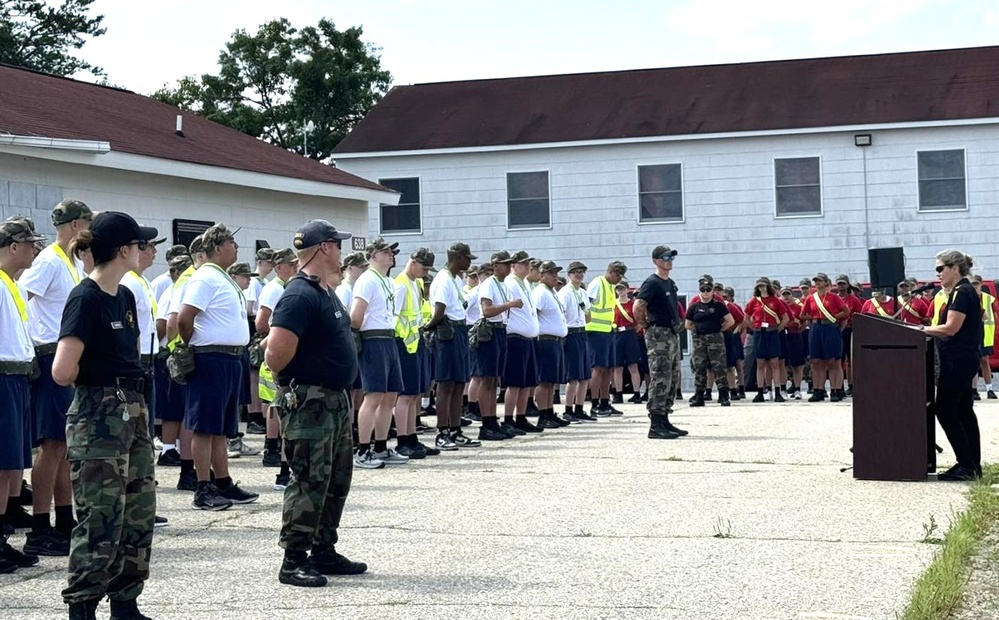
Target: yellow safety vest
(266, 386)
(426, 311)
(988, 319)
(184, 277)
(939, 301)
(407, 324)
(602, 310)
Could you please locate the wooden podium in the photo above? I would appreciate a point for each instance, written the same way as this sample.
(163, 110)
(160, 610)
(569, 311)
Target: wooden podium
(893, 423)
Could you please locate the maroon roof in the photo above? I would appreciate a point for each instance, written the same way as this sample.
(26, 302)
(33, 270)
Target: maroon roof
(820, 92)
(36, 104)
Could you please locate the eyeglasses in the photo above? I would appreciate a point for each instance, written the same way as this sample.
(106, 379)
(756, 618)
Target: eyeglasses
(940, 268)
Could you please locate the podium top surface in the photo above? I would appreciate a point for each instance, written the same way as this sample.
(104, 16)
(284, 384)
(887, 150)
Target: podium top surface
(872, 329)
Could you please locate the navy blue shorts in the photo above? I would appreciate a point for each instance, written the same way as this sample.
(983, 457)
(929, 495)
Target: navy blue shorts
(795, 350)
(409, 364)
(426, 367)
(161, 386)
(213, 389)
(49, 404)
(732, 346)
(451, 358)
(15, 420)
(244, 385)
(627, 351)
(551, 361)
(357, 378)
(847, 343)
(521, 369)
(380, 371)
(825, 342)
(804, 340)
(577, 357)
(601, 349)
(490, 357)
(766, 345)
(783, 345)
(176, 403)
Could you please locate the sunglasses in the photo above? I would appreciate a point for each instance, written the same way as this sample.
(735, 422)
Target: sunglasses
(337, 242)
(705, 289)
(940, 268)
(142, 245)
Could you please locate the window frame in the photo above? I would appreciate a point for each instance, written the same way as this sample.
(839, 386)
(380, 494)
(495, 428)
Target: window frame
(506, 189)
(967, 196)
(638, 193)
(381, 205)
(822, 194)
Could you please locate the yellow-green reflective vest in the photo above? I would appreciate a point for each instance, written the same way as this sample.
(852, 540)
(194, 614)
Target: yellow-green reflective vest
(407, 325)
(602, 310)
(184, 277)
(988, 319)
(939, 301)
(266, 387)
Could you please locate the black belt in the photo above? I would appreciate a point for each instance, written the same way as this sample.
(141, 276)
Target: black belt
(519, 337)
(824, 322)
(497, 326)
(220, 348)
(549, 337)
(318, 384)
(368, 334)
(577, 330)
(133, 384)
(15, 368)
(626, 329)
(46, 349)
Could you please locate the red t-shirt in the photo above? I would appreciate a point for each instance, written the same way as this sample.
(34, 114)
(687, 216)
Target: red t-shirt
(759, 316)
(619, 319)
(915, 312)
(888, 306)
(854, 305)
(831, 301)
(737, 314)
(794, 316)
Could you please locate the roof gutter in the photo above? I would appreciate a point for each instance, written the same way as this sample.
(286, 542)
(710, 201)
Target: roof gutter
(95, 147)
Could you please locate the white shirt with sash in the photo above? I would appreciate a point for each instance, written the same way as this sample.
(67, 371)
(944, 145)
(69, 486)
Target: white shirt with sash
(16, 345)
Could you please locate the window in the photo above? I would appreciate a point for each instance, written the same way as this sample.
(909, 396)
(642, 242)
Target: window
(941, 180)
(527, 202)
(798, 186)
(404, 217)
(660, 193)
(184, 231)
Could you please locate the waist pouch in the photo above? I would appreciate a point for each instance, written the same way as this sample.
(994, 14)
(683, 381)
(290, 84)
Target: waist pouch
(180, 364)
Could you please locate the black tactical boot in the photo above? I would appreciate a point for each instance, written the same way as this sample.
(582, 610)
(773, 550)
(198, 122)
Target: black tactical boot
(669, 426)
(126, 610)
(723, 398)
(87, 610)
(297, 571)
(698, 399)
(658, 429)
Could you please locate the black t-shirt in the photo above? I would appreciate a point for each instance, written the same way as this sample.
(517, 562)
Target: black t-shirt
(966, 343)
(106, 324)
(326, 355)
(660, 297)
(707, 317)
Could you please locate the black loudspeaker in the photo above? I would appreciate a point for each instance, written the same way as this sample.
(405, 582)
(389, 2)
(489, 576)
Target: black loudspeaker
(887, 267)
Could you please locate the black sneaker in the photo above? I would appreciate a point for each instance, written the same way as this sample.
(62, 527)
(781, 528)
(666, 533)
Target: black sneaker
(582, 416)
(976, 395)
(423, 428)
(959, 473)
(27, 496)
(330, 562)
(428, 450)
(836, 396)
(272, 459)
(20, 560)
(188, 481)
(209, 498)
(281, 481)
(546, 422)
(237, 495)
(462, 441)
(570, 418)
(48, 543)
(444, 442)
(778, 397)
(561, 423)
(18, 519)
(256, 428)
(168, 458)
(599, 412)
(466, 421)
(159, 521)
(759, 398)
(7, 567)
(510, 429)
(473, 416)
(526, 426)
(991, 395)
(487, 433)
(636, 398)
(300, 573)
(532, 409)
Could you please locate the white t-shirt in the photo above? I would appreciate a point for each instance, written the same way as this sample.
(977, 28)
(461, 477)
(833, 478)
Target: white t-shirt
(594, 289)
(161, 283)
(15, 345)
(495, 291)
(270, 294)
(50, 281)
(523, 321)
(551, 316)
(177, 297)
(223, 319)
(571, 298)
(148, 344)
(379, 292)
(446, 290)
(473, 313)
(345, 293)
(163, 309)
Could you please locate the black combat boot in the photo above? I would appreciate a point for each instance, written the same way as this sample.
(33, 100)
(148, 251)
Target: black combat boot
(658, 429)
(707, 396)
(87, 610)
(818, 395)
(297, 571)
(723, 398)
(669, 426)
(329, 562)
(126, 610)
(618, 398)
(698, 399)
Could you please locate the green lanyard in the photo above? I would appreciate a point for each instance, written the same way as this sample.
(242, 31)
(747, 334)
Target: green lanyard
(554, 296)
(389, 291)
(523, 288)
(239, 291)
(501, 288)
(457, 288)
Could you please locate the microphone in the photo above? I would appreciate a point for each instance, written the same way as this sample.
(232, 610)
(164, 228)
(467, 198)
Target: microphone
(923, 288)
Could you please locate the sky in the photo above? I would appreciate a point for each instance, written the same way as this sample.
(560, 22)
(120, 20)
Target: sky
(150, 43)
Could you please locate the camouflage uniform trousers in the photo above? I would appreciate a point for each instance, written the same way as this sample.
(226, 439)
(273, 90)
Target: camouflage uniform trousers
(664, 368)
(709, 352)
(319, 448)
(111, 468)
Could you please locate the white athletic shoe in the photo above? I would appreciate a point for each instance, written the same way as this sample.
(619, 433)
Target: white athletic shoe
(390, 457)
(367, 460)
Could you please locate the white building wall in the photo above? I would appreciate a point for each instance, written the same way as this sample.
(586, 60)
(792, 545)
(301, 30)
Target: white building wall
(33, 186)
(730, 229)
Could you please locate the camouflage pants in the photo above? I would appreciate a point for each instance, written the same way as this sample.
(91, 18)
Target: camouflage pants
(664, 368)
(111, 467)
(709, 352)
(317, 442)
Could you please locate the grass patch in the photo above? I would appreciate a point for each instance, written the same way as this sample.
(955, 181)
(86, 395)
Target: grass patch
(939, 589)
(723, 528)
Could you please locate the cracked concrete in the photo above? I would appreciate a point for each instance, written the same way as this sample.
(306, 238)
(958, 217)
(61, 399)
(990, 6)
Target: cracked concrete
(748, 518)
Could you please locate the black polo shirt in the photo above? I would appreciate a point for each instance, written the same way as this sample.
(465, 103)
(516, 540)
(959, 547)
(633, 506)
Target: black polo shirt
(708, 316)
(966, 343)
(660, 297)
(110, 333)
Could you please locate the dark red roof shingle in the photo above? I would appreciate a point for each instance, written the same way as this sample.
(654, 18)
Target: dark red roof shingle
(36, 104)
(821, 92)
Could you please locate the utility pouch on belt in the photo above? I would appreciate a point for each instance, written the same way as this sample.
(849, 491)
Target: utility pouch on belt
(36, 371)
(445, 329)
(356, 333)
(180, 364)
(256, 351)
(481, 331)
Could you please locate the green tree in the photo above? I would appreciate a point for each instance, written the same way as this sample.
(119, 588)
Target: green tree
(38, 36)
(273, 83)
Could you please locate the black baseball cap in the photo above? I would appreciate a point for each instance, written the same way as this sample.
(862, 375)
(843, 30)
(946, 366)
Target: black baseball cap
(315, 232)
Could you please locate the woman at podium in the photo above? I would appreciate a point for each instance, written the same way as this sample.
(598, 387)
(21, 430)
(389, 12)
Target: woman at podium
(958, 338)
